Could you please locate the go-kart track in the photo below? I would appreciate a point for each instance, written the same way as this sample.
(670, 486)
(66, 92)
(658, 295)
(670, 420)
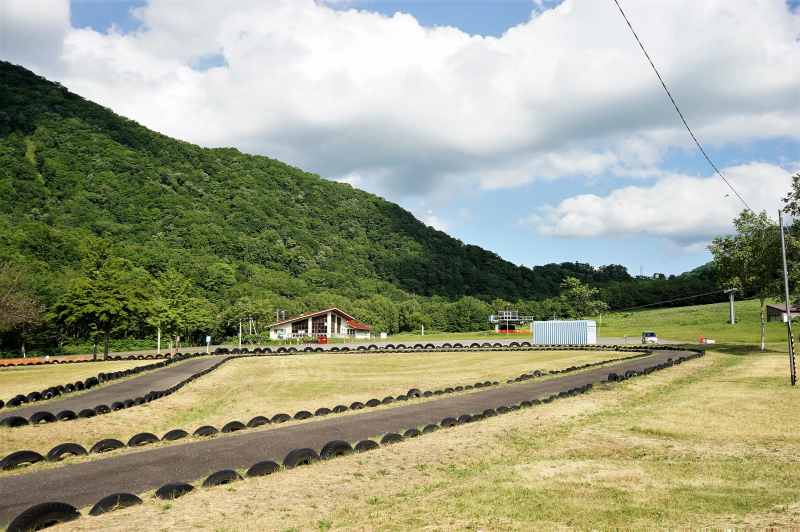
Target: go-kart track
(83, 484)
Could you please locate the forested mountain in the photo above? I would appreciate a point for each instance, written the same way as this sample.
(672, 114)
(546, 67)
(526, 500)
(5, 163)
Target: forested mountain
(79, 184)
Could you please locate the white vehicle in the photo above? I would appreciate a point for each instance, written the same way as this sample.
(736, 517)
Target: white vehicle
(649, 337)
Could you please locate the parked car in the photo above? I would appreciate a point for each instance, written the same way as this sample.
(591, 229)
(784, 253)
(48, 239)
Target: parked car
(649, 337)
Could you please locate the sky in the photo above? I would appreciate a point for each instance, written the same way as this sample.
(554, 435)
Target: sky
(533, 128)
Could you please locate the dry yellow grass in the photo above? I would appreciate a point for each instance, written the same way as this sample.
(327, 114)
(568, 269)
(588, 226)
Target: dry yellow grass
(26, 379)
(242, 389)
(712, 442)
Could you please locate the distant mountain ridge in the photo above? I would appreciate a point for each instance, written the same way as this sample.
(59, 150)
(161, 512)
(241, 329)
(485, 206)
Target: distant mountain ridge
(73, 172)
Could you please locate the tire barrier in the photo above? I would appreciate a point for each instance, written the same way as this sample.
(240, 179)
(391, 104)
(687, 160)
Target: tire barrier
(42, 417)
(57, 453)
(174, 490)
(233, 426)
(205, 431)
(365, 445)
(281, 418)
(86, 413)
(258, 421)
(47, 514)
(220, 478)
(42, 516)
(113, 502)
(90, 382)
(391, 438)
(175, 434)
(335, 448)
(319, 412)
(20, 458)
(106, 445)
(411, 433)
(262, 469)
(300, 457)
(14, 421)
(142, 439)
(372, 403)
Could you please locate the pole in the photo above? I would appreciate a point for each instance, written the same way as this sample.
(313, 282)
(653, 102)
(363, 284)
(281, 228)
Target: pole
(732, 311)
(792, 369)
(158, 350)
(240, 334)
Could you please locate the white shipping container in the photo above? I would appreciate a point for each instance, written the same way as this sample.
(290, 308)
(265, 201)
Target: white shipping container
(566, 332)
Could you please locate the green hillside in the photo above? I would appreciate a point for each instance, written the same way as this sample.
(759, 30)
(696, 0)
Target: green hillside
(243, 235)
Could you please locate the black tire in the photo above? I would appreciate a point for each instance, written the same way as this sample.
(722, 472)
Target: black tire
(411, 433)
(334, 449)
(14, 421)
(174, 490)
(61, 450)
(322, 411)
(427, 393)
(387, 400)
(42, 417)
(262, 469)
(413, 392)
(281, 418)
(34, 397)
(205, 431)
(449, 422)
(427, 429)
(174, 434)
(465, 418)
(117, 405)
(42, 516)
(372, 403)
(338, 409)
(233, 426)
(143, 438)
(104, 446)
(220, 478)
(86, 413)
(526, 404)
(299, 457)
(258, 421)
(117, 501)
(358, 405)
(391, 438)
(303, 414)
(102, 409)
(502, 410)
(365, 445)
(20, 458)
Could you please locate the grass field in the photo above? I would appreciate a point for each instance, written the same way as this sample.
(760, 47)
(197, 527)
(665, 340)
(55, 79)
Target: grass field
(248, 387)
(710, 443)
(689, 323)
(25, 379)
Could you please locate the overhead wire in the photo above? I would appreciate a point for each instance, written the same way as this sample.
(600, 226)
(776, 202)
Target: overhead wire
(678, 109)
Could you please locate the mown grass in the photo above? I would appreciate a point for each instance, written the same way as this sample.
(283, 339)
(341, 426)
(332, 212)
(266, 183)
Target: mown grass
(710, 443)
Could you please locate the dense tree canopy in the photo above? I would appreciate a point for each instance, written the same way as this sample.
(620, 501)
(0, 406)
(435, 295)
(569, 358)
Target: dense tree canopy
(224, 236)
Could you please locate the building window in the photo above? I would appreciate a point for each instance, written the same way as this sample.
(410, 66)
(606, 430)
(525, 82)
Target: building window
(300, 327)
(319, 325)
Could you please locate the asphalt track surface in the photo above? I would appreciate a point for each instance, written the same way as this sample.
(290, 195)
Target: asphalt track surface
(138, 386)
(83, 484)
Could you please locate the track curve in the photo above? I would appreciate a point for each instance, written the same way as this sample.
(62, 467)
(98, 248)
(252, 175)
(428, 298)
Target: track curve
(138, 386)
(85, 483)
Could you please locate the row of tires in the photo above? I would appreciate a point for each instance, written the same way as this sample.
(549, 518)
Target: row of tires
(617, 377)
(52, 513)
(68, 415)
(86, 384)
(420, 347)
(61, 451)
(39, 362)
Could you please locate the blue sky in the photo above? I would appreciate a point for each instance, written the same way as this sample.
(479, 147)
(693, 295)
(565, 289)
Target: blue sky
(519, 191)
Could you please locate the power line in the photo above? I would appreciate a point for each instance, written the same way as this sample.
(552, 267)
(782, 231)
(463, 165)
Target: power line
(678, 109)
(658, 303)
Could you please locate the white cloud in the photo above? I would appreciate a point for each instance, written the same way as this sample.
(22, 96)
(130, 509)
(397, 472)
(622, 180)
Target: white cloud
(687, 210)
(411, 110)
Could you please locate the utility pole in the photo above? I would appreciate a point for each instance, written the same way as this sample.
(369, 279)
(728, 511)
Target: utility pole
(792, 369)
(240, 333)
(732, 311)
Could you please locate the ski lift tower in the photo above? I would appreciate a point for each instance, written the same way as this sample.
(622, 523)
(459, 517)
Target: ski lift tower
(506, 321)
